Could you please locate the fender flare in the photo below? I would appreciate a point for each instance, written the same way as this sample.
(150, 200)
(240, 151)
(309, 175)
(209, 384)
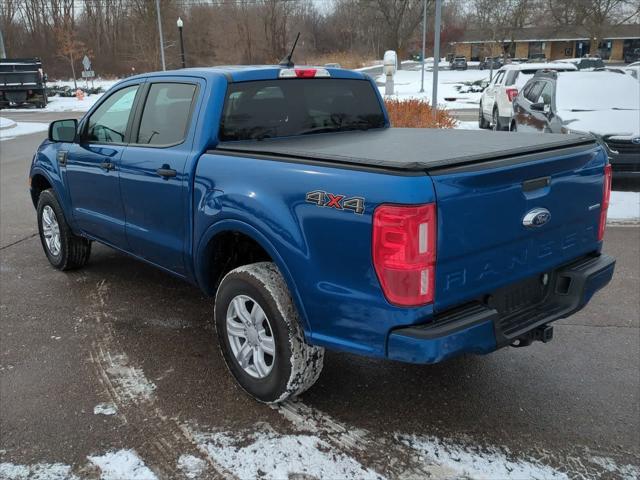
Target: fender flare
(235, 225)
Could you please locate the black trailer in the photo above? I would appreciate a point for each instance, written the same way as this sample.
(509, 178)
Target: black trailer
(22, 83)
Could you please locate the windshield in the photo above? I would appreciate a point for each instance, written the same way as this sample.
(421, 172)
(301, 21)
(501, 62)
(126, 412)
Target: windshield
(597, 91)
(280, 108)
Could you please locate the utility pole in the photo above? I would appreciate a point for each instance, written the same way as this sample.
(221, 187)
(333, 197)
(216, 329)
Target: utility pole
(3, 53)
(436, 58)
(164, 67)
(424, 41)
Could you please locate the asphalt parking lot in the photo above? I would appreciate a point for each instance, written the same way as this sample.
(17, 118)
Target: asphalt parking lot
(120, 357)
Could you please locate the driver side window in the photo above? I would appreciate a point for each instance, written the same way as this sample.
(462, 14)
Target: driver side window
(109, 122)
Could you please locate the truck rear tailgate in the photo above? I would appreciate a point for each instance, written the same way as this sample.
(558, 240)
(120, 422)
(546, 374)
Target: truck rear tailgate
(483, 242)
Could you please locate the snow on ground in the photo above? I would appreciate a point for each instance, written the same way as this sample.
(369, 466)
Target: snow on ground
(468, 125)
(105, 409)
(39, 471)
(273, 456)
(71, 104)
(123, 464)
(191, 467)
(489, 464)
(407, 86)
(130, 382)
(624, 207)
(22, 128)
(6, 123)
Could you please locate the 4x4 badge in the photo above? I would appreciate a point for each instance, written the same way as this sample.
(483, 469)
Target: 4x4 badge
(337, 201)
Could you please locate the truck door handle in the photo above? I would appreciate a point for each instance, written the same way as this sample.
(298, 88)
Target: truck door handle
(166, 172)
(107, 166)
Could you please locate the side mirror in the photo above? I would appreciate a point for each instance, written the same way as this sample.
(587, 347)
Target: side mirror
(539, 106)
(63, 130)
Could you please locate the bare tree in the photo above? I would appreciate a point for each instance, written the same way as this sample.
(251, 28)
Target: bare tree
(597, 15)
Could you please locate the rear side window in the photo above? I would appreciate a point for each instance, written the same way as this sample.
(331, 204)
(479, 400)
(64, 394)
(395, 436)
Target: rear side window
(511, 77)
(533, 93)
(498, 78)
(279, 108)
(166, 114)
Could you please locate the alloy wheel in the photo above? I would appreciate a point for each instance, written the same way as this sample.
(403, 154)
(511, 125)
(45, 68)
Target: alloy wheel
(51, 231)
(250, 336)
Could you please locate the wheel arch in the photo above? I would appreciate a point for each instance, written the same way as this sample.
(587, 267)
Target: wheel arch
(39, 182)
(244, 235)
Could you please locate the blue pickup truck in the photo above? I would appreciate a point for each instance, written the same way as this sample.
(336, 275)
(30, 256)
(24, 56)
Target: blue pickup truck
(284, 193)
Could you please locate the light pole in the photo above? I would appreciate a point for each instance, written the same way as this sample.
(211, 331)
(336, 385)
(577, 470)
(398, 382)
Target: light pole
(180, 24)
(164, 67)
(436, 58)
(424, 41)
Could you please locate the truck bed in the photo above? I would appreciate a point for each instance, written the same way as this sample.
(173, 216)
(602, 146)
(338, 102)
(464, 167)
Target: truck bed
(408, 149)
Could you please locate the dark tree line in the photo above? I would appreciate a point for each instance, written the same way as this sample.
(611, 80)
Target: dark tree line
(121, 36)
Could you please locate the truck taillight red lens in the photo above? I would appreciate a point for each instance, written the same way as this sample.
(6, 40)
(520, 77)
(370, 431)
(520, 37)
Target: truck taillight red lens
(511, 93)
(606, 196)
(404, 252)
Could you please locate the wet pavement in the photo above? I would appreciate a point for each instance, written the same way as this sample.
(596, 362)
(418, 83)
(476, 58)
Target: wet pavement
(124, 338)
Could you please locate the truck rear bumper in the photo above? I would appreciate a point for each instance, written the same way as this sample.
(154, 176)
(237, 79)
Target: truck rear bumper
(506, 315)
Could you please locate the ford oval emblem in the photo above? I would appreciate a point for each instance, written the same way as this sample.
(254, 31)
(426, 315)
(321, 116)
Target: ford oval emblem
(536, 218)
(635, 140)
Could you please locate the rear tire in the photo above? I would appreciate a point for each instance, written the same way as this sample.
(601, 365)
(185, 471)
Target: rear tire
(496, 125)
(254, 315)
(64, 250)
(482, 123)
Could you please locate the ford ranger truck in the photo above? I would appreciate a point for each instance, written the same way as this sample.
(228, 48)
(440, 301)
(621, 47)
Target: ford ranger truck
(285, 194)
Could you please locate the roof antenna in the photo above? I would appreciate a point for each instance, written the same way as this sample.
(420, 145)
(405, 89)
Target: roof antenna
(286, 61)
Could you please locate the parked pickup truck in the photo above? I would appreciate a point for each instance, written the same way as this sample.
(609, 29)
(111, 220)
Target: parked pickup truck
(284, 193)
(22, 82)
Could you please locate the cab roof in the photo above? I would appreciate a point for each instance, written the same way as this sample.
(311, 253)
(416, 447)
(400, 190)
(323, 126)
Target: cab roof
(243, 73)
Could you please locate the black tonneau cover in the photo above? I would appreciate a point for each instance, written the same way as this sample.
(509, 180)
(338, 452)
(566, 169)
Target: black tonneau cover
(414, 149)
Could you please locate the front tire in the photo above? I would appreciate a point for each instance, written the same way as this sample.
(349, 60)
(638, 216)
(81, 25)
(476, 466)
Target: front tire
(64, 250)
(260, 336)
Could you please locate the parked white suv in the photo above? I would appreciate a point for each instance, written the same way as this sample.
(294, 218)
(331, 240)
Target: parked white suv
(495, 104)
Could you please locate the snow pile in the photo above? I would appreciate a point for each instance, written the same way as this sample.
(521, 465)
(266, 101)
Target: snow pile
(478, 464)
(40, 471)
(272, 456)
(22, 128)
(122, 464)
(624, 207)
(6, 123)
(191, 467)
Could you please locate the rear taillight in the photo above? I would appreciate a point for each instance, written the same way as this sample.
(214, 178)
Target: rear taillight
(606, 196)
(511, 93)
(404, 252)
